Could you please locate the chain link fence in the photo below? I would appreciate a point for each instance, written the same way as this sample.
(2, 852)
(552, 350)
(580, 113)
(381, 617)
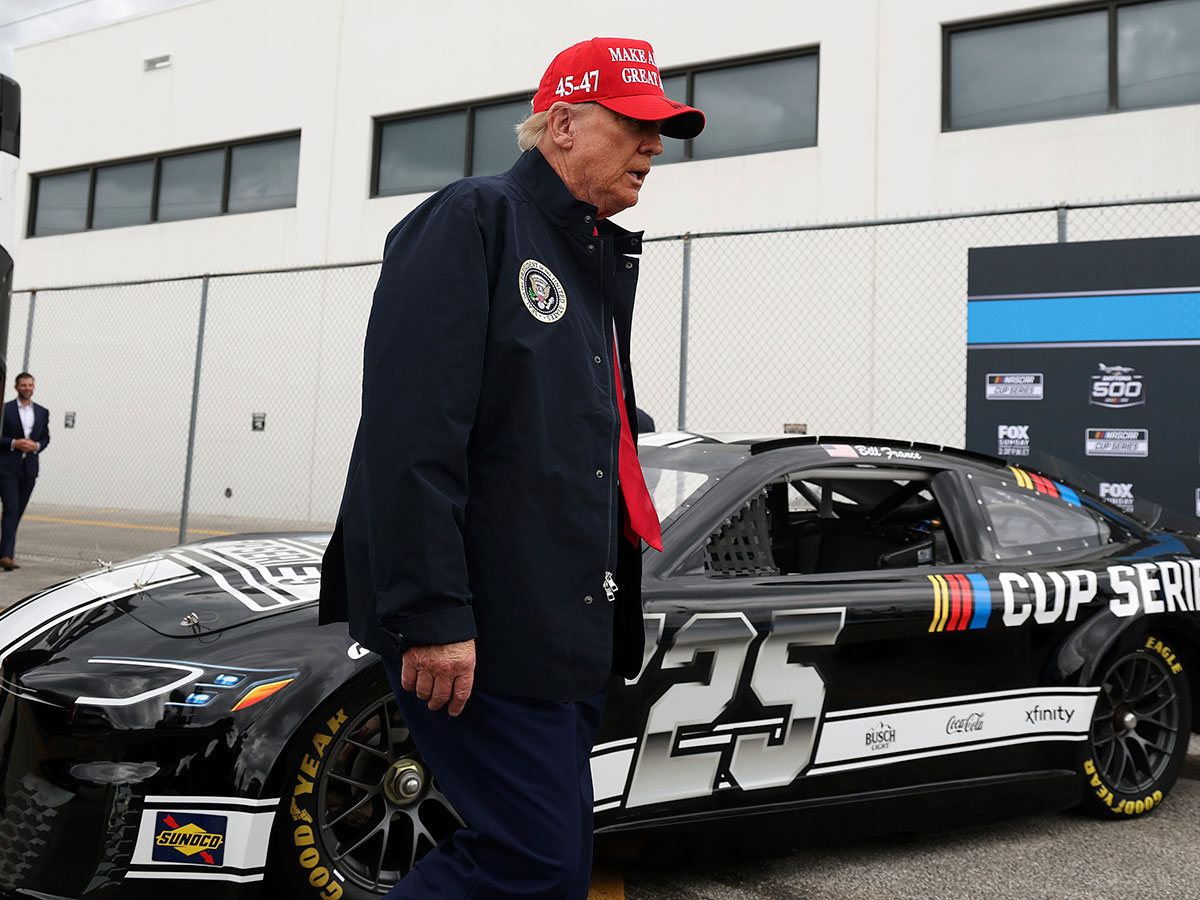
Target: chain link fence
(192, 407)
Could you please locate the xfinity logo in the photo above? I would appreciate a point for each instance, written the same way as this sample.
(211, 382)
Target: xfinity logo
(1012, 440)
(1042, 714)
(1113, 490)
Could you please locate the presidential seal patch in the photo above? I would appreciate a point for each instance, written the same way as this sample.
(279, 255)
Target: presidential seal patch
(543, 293)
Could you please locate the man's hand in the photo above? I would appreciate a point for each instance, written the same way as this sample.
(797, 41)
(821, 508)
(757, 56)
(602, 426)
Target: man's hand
(440, 673)
(25, 445)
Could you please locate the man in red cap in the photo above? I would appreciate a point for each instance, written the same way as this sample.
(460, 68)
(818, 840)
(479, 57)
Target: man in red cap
(489, 540)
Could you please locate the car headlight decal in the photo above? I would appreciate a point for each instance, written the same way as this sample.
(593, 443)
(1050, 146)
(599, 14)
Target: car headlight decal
(261, 692)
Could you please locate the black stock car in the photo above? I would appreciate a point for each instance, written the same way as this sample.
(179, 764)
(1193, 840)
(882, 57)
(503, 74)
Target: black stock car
(836, 624)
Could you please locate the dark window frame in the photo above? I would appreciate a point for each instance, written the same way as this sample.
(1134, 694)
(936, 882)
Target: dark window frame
(156, 158)
(690, 72)
(1041, 15)
(470, 108)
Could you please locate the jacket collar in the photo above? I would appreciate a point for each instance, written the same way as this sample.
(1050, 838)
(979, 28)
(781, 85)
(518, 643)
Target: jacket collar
(560, 206)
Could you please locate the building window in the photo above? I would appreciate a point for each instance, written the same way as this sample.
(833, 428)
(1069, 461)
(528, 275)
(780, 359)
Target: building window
(428, 150)
(754, 107)
(1091, 59)
(231, 178)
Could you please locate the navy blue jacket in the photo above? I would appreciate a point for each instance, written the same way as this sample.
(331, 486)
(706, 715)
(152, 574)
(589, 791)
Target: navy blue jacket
(23, 463)
(482, 496)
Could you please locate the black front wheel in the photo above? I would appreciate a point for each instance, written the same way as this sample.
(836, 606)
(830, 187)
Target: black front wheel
(1140, 730)
(359, 806)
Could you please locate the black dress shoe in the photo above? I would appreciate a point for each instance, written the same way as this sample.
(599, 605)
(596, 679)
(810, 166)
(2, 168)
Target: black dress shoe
(7, 564)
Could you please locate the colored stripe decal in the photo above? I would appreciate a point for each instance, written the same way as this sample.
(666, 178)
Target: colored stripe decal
(1120, 317)
(968, 601)
(1022, 478)
(937, 602)
(941, 625)
(1068, 495)
(955, 603)
(983, 601)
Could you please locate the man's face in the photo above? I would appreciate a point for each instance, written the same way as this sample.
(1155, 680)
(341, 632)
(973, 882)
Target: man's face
(24, 388)
(609, 158)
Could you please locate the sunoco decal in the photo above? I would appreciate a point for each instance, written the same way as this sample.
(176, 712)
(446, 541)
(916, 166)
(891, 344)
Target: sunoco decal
(202, 838)
(1117, 442)
(180, 837)
(1015, 386)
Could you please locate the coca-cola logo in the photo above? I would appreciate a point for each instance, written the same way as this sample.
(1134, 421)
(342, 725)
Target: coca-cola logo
(965, 724)
(880, 737)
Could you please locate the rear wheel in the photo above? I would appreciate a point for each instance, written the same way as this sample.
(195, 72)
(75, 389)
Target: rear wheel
(359, 806)
(1140, 729)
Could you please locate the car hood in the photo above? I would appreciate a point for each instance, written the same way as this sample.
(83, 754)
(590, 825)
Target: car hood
(190, 590)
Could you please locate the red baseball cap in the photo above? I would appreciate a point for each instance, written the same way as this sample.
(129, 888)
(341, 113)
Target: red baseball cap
(620, 74)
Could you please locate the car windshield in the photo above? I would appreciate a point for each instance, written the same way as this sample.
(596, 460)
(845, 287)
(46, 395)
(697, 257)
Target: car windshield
(670, 488)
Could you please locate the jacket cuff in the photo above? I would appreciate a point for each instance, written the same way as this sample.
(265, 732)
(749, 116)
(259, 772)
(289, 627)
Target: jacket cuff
(446, 626)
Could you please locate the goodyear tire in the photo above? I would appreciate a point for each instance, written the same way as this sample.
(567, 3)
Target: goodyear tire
(1140, 730)
(359, 806)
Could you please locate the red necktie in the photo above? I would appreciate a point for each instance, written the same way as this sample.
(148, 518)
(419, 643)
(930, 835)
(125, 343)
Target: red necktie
(640, 517)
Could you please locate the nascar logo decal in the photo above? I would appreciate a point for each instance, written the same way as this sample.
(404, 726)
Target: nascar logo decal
(179, 837)
(543, 293)
(960, 602)
(1018, 386)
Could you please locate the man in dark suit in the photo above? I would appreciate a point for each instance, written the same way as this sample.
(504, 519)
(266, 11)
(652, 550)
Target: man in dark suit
(25, 434)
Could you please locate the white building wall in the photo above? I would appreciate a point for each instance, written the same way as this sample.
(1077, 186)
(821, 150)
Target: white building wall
(843, 324)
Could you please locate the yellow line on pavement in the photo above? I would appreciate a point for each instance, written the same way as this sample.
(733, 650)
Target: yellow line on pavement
(119, 525)
(607, 884)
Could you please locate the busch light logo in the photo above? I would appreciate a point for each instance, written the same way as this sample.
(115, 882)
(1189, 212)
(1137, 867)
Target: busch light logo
(1012, 440)
(1014, 386)
(1117, 387)
(1116, 442)
(1118, 493)
(880, 737)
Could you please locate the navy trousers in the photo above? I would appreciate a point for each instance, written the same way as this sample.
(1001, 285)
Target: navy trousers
(518, 772)
(15, 489)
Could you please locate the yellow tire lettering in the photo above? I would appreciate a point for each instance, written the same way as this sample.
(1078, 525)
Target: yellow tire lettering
(1089, 767)
(320, 742)
(336, 721)
(1176, 669)
(303, 836)
(1140, 807)
(310, 857)
(319, 877)
(333, 892)
(309, 766)
(303, 786)
(1158, 795)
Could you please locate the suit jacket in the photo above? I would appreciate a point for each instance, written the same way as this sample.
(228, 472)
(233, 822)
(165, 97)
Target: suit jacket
(13, 461)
